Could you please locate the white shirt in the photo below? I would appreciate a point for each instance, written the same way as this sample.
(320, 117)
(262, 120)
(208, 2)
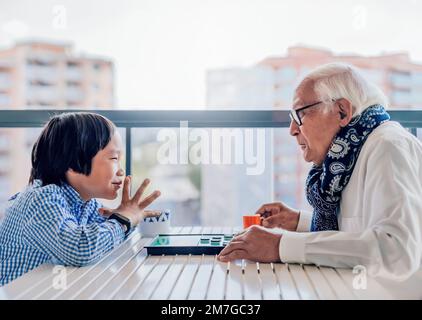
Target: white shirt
(380, 220)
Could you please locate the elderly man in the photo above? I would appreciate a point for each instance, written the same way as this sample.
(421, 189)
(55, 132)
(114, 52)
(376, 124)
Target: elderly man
(365, 185)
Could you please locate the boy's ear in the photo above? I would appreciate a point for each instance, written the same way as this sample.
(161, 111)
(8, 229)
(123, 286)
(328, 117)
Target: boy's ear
(70, 173)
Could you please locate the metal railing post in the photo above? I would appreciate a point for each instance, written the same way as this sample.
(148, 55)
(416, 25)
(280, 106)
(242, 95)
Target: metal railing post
(128, 151)
(414, 131)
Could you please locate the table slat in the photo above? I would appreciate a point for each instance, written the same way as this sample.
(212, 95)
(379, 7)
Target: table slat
(342, 291)
(234, 284)
(120, 278)
(320, 284)
(270, 286)
(202, 280)
(153, 279)
(129, 273)
(252, 281)
(85, 274)
(304, 286)
(286, 283)
(86, 290)
(373, 289)
(139, 271)
(167, 283)
(216, 288)
(45, 290)
(186, 279)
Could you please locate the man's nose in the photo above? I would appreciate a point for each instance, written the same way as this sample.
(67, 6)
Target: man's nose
(294, 128)
(120, 172)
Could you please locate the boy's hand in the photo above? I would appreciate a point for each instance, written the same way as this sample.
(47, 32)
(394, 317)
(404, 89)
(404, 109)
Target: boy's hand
(133, 208)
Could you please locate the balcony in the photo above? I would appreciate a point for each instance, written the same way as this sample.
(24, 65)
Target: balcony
(4, 100)
(48, 74)
(5, 82)
(74, 73)
(184, 184)
(116, 274)
(128, 119)
(401, 80)
(42, 93)
(42, 59)
(195, 204)
(74, 94)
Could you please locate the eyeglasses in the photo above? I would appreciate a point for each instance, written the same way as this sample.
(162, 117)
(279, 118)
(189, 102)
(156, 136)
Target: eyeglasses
(294, 114)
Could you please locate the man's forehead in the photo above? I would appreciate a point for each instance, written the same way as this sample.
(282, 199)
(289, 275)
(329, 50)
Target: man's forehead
(297, 101)
(304, 94)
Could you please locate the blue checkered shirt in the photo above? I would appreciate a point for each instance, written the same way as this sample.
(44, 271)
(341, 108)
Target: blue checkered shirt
(53, 224)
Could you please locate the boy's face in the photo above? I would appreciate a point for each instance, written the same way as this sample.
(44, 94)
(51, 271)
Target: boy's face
(106, 177)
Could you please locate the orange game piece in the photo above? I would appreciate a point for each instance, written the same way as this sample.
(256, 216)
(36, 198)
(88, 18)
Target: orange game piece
(251, 220)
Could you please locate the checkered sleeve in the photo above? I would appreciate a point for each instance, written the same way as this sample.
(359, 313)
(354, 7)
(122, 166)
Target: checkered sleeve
(95, 216)
(53, 230)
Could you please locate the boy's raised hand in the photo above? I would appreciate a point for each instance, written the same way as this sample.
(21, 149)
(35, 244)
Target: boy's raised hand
(134, 208)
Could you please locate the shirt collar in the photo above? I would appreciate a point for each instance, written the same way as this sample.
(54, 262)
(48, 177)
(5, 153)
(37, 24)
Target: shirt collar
(70, 193)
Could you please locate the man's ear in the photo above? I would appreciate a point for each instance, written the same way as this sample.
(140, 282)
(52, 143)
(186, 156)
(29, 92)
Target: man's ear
(345, 110)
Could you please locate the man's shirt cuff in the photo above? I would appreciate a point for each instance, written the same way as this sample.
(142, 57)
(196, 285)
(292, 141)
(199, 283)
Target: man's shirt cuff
(305, 220)
(292, 247)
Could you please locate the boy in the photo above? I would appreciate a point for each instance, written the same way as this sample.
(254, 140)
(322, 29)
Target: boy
(57, 219)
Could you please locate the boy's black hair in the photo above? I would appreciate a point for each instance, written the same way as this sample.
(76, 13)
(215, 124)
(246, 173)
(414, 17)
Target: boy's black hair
(69, 141)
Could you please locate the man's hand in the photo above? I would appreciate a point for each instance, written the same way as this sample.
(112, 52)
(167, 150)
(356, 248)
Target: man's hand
(133, 208)
(278, 215)
(255, 243)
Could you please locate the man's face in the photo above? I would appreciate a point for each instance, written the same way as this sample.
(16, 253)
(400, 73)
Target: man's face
(318, 128)
(106, 175)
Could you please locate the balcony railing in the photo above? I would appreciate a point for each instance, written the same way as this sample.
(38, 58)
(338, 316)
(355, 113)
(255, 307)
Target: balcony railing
(128, 119)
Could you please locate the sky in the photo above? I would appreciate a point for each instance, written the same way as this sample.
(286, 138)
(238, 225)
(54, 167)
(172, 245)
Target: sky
(162, 49)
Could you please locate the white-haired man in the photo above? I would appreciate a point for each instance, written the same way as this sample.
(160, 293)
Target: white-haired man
(365, 185)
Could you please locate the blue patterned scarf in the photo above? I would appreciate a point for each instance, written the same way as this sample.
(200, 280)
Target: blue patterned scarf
(325, 183)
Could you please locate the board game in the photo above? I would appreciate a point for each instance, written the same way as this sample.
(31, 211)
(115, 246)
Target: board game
(196, 244)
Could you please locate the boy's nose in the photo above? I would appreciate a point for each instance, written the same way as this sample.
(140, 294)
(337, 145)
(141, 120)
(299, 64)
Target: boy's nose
(120, 172)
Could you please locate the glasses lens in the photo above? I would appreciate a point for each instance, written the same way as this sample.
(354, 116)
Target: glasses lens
(294, 117)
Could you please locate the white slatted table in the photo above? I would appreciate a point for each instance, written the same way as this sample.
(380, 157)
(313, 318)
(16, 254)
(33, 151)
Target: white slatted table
(128, 273)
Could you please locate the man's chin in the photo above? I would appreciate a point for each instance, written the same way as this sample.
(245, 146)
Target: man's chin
(306, 156)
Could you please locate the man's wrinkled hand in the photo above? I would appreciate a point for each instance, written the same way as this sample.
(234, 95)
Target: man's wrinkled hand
(255, 244)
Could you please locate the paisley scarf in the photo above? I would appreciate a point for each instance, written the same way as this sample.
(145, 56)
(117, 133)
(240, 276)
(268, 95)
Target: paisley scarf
(325, 183)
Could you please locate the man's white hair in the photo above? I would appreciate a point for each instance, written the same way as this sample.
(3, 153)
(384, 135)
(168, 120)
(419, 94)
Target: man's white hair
(334, 81)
